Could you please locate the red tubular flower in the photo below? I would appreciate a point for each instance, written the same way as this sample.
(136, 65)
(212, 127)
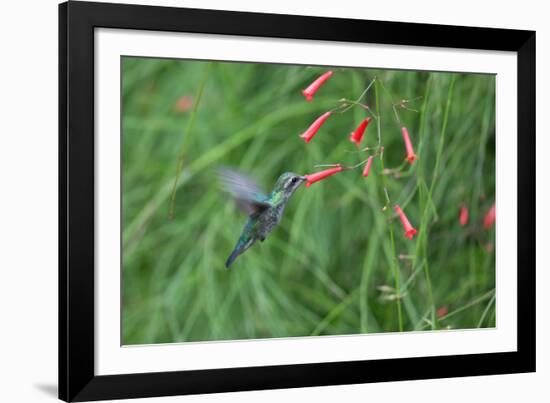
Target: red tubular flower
(411, 156)
(315, 126)
(310, 91)
(184, 103)
(490, 217)
(357, 135)
(367, 167)
(409, 230)
(463, 216)
(442, 311)
(317, 176)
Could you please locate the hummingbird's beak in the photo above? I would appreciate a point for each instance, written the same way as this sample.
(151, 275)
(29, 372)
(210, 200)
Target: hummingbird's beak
(302, 178)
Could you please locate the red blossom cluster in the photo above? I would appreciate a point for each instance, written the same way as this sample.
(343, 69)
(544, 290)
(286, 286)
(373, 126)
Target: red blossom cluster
(358, 133)
(409, 230)
(355, 137)
(314, 127)
(411, 156)
(463, 217)
(366, 170)
(317, 176)
(488, 219)
(310, 91)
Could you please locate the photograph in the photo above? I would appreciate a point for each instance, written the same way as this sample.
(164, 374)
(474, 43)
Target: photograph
(263, 200)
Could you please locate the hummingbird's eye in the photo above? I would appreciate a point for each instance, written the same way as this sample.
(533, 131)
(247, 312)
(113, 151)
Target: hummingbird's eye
(293, 180)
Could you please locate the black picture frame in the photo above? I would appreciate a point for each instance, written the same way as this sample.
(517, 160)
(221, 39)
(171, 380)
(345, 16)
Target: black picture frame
(77, 379)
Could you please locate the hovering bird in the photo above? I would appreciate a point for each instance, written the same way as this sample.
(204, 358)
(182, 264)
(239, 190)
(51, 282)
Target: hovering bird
(264, 210)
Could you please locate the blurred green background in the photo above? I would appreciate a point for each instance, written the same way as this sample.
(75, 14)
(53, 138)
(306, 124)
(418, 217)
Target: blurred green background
(338, 263)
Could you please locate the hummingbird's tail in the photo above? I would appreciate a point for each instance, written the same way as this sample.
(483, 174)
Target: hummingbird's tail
(232, 258)
(239, 249)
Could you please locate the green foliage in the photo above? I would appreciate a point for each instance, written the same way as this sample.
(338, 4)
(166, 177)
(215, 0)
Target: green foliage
(338, 263)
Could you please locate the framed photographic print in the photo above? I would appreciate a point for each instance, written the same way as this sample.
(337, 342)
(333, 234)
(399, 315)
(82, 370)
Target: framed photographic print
(257, 201)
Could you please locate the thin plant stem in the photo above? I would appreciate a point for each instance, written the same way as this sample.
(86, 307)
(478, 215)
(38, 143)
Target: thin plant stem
(347, 104)
(388, 93)
(468, 305)
(186, 137)
(421, 244)
(486, 310)
(358, 100)
(443, 133)
(395, 269)
(335, 312)
(429, 197)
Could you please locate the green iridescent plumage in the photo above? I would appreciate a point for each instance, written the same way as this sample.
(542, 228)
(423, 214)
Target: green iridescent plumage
(264, 211)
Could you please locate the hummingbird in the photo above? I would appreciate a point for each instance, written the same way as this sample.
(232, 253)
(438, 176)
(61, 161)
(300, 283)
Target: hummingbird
(264, 210)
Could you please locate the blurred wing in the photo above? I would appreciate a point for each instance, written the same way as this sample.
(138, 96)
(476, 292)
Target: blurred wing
(248, 195)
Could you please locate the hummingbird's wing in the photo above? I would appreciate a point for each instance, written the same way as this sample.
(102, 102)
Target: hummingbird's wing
(248, 195)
